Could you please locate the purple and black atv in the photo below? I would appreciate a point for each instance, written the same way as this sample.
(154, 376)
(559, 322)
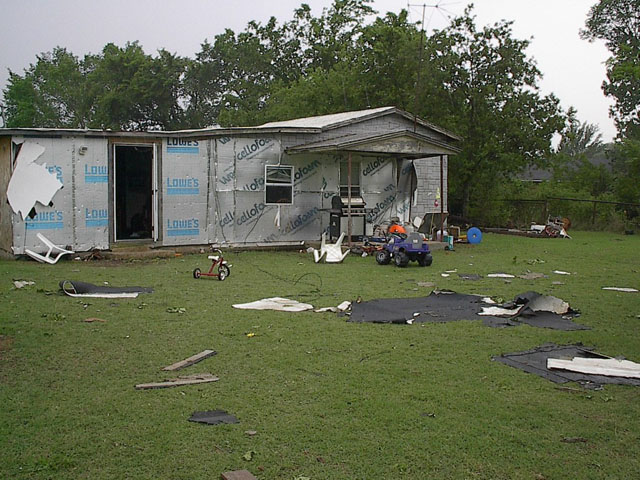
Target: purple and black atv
(404, 249)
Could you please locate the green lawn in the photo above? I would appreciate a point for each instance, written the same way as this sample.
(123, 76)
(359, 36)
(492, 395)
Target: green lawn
(328, 399)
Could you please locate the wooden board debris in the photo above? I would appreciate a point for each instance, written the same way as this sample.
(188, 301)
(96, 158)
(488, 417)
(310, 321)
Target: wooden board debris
(180, 381)
(238, 475)
(187, 362)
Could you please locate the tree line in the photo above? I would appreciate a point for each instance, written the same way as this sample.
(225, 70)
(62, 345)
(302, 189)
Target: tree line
(475, 81)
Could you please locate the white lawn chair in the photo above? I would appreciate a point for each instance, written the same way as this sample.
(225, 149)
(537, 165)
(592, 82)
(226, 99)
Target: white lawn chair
(52, 250)
(332, 253)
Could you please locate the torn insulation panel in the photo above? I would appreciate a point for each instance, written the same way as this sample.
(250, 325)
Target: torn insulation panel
(31, 183)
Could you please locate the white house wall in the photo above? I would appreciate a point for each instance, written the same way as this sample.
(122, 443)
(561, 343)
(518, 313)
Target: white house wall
(78, 216)
(184, 191)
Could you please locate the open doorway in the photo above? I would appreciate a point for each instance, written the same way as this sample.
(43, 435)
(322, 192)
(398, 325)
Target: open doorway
(133, 192)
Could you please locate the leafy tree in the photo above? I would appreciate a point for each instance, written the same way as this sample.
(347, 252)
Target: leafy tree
(580, 159)
(617, 22)
(490, 96)
(134, 91)
(51, 93)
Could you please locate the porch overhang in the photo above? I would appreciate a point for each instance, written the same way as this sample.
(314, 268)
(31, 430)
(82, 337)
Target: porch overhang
(402, 143)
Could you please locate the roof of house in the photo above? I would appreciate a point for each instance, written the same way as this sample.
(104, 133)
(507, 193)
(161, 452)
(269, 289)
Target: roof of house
(314, 124)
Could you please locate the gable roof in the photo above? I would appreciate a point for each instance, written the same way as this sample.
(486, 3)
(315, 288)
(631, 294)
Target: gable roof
(336, 120)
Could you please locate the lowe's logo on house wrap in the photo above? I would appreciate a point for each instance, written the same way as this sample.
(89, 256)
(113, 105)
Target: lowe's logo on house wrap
(96, 174)
(56, 170)
(180, 145)
(182, 186)
(254, 148)
(306, 171)
(374, 166)
(183, 227)
(46, 221)
(97, 217)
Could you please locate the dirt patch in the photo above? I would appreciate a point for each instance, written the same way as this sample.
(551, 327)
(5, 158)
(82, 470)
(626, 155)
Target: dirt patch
(5, 344)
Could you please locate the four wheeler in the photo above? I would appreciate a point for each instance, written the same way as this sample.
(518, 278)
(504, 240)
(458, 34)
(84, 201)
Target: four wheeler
(402, 249)
(216, 261)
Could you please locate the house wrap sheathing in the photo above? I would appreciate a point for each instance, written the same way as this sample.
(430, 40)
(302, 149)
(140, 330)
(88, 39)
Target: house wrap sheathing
(272, 184)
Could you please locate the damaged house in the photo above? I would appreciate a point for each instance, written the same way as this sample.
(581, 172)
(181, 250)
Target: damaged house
(275, 184)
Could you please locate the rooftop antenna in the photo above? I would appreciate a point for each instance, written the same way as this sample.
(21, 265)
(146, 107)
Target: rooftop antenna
(437, 7)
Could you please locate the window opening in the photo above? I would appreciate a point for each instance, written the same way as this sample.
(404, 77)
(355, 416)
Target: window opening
(278, 184)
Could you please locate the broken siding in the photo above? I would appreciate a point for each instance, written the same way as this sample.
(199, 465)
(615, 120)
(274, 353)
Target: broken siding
(429, 198)
(78, 213)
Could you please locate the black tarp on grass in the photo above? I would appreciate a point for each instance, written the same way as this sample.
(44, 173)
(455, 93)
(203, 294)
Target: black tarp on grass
(446, 306)
(213, 417)
(535, 361)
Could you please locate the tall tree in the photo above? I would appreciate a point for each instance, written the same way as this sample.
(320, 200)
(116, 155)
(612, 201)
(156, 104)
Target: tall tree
(491, 98)
(617, 22)
(134, 91)
(51, 93)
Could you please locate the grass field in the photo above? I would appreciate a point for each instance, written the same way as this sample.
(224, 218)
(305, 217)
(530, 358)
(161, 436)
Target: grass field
(328, 399)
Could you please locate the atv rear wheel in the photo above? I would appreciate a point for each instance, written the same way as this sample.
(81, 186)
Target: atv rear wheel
(383, 257)
(425, 259)
(401, 259)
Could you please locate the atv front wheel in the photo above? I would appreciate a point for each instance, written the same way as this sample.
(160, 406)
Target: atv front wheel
(383, 257)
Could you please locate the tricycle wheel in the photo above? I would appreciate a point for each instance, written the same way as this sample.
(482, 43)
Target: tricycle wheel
(223, 272)
(401, 259)
(196, 273)
(425, 259)
(383, 257)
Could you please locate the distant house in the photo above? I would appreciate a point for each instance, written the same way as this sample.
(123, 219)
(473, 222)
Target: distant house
(273, 184)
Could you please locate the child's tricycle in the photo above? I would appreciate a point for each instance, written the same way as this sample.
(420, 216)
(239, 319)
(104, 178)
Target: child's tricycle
(216, 261)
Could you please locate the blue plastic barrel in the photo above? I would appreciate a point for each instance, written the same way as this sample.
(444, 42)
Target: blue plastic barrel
(474, 235)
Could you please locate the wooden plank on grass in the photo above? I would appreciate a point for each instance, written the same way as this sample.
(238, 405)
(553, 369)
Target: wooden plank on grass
(180, 381)
(187, 362)
(238, 475)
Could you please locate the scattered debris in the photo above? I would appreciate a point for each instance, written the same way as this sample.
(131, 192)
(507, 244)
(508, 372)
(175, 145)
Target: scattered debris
(238, 475)
(574, 440)
(470, 276)
(213, 417)
(22, 283)
(94, 319)
(560, 272)
(179, 310)
(83, 289)
(617, 289)
(535, 361)
(532, 276)
(250, 433)
(610, 367)
(251, 335)
(275, 303)
(192, 360)
(500, 275)
(180, 381)
(445, 274)
(528, 308)
(52, 249)
(426, 284)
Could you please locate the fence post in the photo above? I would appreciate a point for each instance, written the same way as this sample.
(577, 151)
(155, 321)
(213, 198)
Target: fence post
(593, 217)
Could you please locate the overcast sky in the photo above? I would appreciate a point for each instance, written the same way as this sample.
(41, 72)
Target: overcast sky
(573, 69)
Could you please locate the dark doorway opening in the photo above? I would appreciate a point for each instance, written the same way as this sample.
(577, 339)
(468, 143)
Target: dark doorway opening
(133, 192)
